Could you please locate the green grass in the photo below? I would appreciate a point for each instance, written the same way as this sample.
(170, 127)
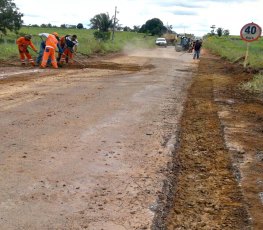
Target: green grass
(255, 85)
(87, 43)
(232, 48)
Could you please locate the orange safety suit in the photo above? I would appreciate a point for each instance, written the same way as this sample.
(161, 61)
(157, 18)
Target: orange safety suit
(22, 44)
(62, 45)
(51, 45)
(62, 42)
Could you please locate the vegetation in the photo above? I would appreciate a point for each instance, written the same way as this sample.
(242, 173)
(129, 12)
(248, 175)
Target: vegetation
(233, 49)
(102, 22)
(219, 31)
(255, 85)
(10, 17)
(154, 27)
(88, 45)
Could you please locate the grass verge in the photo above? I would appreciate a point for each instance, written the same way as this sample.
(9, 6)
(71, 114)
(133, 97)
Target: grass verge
(255, 85)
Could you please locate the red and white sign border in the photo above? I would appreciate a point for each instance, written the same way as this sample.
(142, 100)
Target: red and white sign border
(252, 24)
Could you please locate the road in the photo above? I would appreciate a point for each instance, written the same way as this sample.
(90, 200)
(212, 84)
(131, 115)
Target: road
(89, 148)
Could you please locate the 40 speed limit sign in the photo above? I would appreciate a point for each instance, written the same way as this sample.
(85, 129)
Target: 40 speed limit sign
(250, 32)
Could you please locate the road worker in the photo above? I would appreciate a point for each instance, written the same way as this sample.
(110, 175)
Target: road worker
(62, 44)
(23, 43)
(42, 47)
(70, 48)
(197, 48)
(50, 49)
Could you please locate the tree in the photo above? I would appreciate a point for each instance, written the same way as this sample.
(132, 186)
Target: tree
(213, 29)
(136, 28)
(80, 26)
(154, 27)
(226, 32)
(10, 17)
(43, 25)
(102, 22)
(127, 28)
(219, 31)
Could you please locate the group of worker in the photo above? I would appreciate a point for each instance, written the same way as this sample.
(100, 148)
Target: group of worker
(66, 45)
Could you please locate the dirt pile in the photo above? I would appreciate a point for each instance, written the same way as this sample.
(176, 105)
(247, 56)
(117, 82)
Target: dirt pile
(217, 181)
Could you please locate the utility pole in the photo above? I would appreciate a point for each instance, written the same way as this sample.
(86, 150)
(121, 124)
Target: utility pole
(114, 21)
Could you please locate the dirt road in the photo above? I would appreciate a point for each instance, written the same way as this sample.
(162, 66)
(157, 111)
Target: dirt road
(88, 148)
(149, 139)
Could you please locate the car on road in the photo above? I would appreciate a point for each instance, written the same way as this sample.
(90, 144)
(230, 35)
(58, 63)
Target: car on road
(161, 42)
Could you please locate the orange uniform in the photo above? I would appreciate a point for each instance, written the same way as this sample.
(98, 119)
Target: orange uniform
(23, 43)
(51, 45)
(62, 45)
(62, 42)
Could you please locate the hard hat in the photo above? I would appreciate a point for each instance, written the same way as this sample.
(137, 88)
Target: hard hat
(55, 34)
(28, 36)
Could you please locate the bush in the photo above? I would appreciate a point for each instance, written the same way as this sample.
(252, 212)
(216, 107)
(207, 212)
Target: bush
(104, 36)
(255, 85)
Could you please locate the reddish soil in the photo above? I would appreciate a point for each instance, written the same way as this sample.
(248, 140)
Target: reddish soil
(148, 141)
(217, 180)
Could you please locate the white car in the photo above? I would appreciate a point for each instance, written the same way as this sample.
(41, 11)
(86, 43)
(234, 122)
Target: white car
(161, 42)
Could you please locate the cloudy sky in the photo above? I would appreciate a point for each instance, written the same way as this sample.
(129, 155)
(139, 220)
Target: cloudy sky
(189, 16)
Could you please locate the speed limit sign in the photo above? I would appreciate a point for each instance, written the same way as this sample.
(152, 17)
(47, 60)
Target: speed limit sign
(250, 32)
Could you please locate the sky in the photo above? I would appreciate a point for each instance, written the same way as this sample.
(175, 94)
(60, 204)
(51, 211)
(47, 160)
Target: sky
(189, 16)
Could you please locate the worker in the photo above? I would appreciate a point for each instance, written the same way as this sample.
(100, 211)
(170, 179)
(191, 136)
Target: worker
(50, 49)
(42, 47)
(191, 46)
(23, 43)
(62, 44)
(197, 48)
(70, 48)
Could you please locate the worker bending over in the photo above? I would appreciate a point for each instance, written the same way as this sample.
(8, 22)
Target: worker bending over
(23, 43)
(70, 46)
(50, 49)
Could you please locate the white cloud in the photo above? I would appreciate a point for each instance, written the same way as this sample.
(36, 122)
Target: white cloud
(191, 16)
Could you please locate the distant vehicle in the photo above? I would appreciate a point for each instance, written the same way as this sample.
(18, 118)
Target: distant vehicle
(161, 42)
(171, 38)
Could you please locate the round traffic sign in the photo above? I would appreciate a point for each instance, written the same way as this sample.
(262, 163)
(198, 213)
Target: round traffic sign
(250, 32)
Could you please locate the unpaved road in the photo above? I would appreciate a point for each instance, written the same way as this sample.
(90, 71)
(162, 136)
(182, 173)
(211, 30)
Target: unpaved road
(148, 139)
(88, 148)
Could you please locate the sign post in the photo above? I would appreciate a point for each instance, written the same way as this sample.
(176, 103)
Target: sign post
(249, 33)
